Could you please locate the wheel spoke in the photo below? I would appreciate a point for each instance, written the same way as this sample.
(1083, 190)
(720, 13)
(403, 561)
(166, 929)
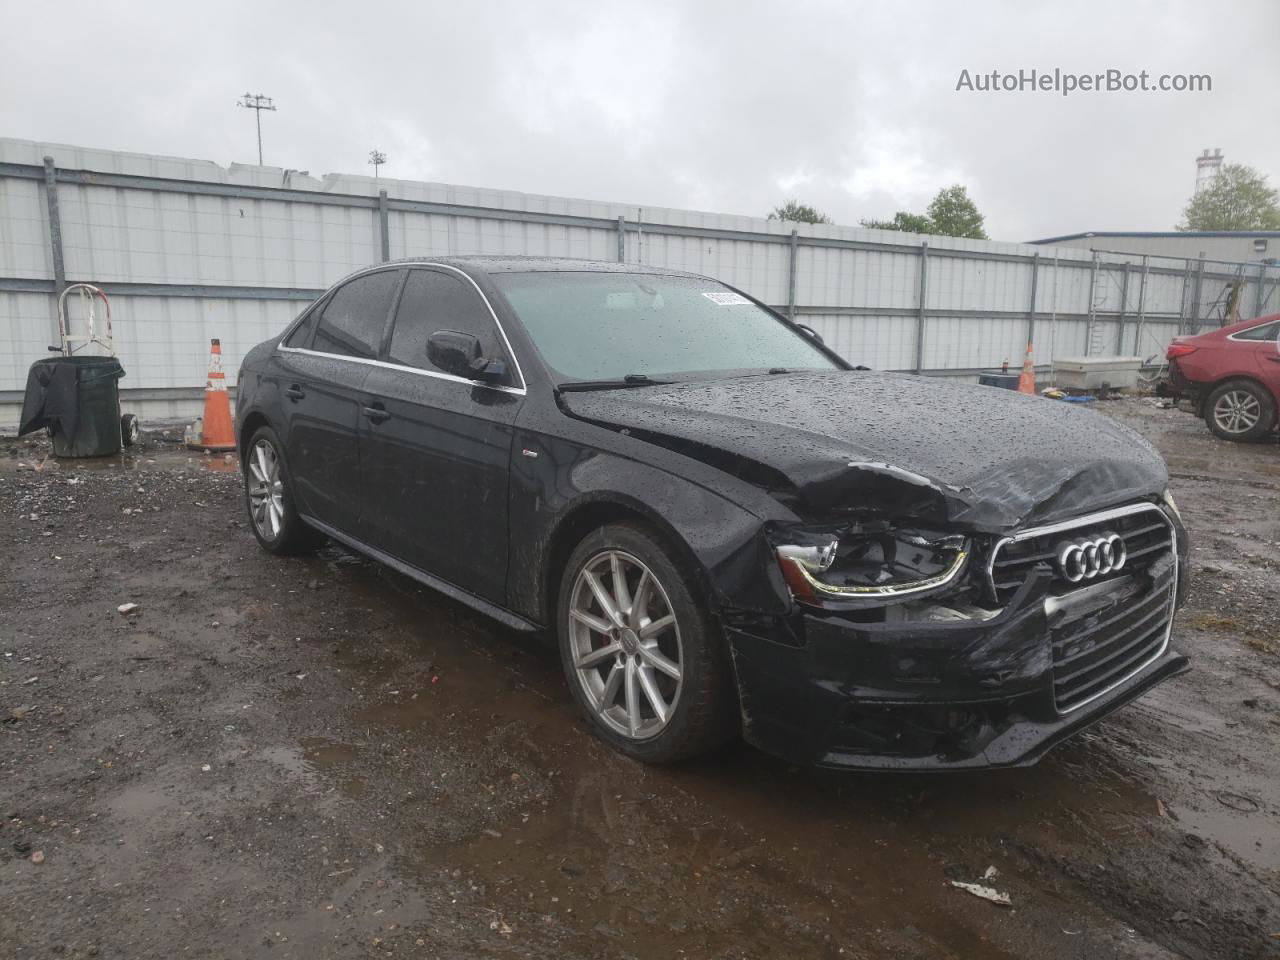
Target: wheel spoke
(632, 697)
(591, 620)
(602, 597)
(649, 684)
(611, 684)
(621, 593)
(260, 452)
(655, 627)
(654, 657)
(256, 473)
(640, 599)
(598, 656)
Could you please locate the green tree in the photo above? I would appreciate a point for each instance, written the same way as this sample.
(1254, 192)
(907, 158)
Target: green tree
(951, 214)
(906, 222)
(1238, 198)
(799, 212)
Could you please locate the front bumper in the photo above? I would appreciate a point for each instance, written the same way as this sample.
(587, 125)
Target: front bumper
(838, 693)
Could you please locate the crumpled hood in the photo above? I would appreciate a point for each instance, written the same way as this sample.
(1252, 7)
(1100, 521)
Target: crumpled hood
(915, 447)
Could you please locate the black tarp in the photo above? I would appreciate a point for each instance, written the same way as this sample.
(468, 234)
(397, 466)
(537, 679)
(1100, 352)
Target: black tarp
(78, 399)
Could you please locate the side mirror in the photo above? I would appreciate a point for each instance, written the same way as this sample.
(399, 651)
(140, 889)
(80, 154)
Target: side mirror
(460, 354)
(810, 332)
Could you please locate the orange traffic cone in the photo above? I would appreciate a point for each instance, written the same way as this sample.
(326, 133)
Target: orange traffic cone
(1027, 379)
(218, 434)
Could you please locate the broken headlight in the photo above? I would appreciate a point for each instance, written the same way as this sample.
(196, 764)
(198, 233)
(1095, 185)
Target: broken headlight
(872, 563)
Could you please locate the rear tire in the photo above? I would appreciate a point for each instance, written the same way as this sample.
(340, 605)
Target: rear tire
(646, 663)
(128, 429)
(1240, 410)
(268, 492)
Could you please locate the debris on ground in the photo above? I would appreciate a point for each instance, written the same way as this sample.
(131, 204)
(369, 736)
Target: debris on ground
(127, 608)
(983, 891)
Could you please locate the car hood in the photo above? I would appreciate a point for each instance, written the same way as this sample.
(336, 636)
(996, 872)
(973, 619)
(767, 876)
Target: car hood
(904, 446)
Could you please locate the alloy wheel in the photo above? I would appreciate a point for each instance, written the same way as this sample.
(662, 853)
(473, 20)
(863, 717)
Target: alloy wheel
(266, 490)
(625, 643)
(1237, 411)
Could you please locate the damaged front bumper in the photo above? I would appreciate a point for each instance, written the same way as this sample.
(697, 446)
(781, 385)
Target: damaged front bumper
(837, 690)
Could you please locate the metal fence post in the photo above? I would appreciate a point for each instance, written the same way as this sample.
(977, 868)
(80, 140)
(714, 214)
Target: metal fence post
(1124, 305)
(920, 307)
(1182, 306)
(55, 240)
(1195, 295)
(622, 239)
(1142, 305)
(791, 277)
(384, 225)
(1262, 282)
(1031, 311)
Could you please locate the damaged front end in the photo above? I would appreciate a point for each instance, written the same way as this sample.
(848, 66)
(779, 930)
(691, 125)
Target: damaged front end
(960, 577)
(916, 648)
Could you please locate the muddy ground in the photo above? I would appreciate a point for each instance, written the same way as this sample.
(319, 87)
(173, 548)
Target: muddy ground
(317, 758)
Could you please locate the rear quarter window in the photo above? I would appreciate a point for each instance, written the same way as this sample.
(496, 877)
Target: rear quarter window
(1268, 331)
(300, 337)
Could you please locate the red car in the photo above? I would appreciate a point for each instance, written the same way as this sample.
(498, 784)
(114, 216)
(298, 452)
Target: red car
(1232, 375)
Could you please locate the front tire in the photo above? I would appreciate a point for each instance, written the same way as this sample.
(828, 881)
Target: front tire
(1240, 410)
(645, 663)
(268, 493)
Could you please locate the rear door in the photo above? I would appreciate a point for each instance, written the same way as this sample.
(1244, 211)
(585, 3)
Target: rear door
(436, 447)
(1264, 343)
(321, 385)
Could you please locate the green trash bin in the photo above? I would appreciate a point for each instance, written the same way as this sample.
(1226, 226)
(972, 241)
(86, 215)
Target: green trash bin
(78, 399)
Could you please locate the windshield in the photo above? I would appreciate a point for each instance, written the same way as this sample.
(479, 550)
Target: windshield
(605, 326)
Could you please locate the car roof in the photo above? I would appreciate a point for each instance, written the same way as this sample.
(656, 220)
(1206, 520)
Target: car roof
(517, 264)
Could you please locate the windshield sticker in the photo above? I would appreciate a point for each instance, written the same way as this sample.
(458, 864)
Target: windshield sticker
(726, 298)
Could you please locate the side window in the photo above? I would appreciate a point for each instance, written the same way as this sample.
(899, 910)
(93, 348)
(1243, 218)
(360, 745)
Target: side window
(301, 335)
(355, 316)
(1268, 331)
(434, 300)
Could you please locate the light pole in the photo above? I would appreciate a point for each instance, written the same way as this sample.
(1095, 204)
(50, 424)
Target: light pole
(377, 158)
(257, 103)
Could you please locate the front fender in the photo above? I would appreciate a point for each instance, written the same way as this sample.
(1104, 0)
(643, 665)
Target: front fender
(569, 487)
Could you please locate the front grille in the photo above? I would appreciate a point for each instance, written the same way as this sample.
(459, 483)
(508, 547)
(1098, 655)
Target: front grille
(1120, 630)
(1146, 533)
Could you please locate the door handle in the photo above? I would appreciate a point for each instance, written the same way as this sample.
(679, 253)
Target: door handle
(1273, 357)
(376, 413)
(295, 392)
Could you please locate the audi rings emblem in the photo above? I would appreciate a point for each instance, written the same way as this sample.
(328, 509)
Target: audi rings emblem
(1086, 559)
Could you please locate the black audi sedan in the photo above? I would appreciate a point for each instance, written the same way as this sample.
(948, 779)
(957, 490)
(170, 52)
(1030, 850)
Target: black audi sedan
(728, 528)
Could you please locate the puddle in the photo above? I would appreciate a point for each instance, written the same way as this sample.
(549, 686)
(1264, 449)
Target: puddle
(489, 780)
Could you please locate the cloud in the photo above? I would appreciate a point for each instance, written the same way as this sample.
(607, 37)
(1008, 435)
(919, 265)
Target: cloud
(724, 106)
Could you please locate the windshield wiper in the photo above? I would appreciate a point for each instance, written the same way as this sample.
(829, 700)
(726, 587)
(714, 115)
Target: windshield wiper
(630, 380)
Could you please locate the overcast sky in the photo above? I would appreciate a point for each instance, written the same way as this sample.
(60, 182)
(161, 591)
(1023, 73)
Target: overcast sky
(728, 107)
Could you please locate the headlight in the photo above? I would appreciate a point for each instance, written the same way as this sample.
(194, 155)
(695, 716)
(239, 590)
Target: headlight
(868, 563)
(1167, 497)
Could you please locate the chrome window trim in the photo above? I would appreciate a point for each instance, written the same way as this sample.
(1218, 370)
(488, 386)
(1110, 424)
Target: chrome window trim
(521, 390)
(1087, 521)
(517, 391)
(1236, 338)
